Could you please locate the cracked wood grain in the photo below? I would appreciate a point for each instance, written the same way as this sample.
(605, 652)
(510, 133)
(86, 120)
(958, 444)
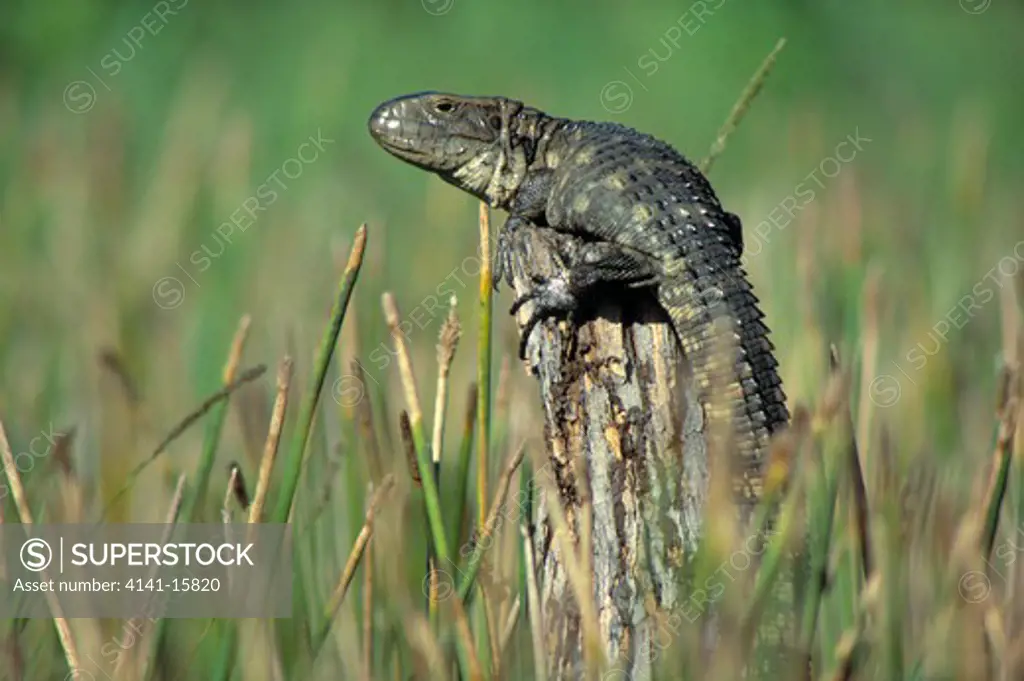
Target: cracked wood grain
(618, 401)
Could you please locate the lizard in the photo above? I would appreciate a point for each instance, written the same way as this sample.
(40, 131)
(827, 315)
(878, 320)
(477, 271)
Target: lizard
(645, 215)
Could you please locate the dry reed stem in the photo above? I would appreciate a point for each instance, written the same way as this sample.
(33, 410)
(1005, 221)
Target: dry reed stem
(536, 614)
(475, 671)
(847, 659)
(366, 431)
(229, 493)
(510, 623)
(172, 511)
(859, 510)
(431, 498)
(270, 447)
(237, 348)
(995, 634)
(996, 489)
(490, 621)
(421, 637)
(412, 399)
(833, 404)
(869, 361)
(449, 340)
(593, 650)
(1014, 658)
(247, 376)
(368, 610)
(230, 370)
(25, 514)
(434, 585)
(1014, 594)
(739, 109)
(170, 521)
(405, 431)
(504, 482)
(341, 588)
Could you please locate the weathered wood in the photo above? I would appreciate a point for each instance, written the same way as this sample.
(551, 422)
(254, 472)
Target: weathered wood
(624, 436)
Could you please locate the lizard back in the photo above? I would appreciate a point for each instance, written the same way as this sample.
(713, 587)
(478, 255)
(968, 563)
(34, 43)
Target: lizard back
(618, 185)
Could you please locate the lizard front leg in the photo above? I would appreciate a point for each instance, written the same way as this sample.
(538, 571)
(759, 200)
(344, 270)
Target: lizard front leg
(526, 210)
(592, 264)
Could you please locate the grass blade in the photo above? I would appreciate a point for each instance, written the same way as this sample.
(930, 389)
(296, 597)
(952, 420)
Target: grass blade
(423, 462)
(483, 379)
(832, 438)
(1001, 458)
(293, 463)
(67, 641)
(284, 379)
(483, 540)
(460, 474)
(341, 588)
(216, 424)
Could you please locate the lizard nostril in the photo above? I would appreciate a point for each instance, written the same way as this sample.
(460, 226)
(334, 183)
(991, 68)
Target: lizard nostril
(383, 122)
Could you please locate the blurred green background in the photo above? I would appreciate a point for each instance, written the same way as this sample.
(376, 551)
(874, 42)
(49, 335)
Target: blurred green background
(110, 180)
(129, 132)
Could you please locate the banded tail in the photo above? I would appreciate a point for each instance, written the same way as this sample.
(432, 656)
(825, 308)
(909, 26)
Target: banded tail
(747, 387)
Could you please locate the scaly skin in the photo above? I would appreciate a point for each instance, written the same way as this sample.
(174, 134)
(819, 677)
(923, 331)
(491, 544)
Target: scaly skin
(647, 217)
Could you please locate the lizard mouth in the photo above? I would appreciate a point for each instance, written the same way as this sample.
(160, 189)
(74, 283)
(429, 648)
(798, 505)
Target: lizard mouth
(396, 135)
(386, 128)
(389, 128)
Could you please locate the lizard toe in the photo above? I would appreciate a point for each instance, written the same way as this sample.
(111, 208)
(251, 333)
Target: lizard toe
(522, 300)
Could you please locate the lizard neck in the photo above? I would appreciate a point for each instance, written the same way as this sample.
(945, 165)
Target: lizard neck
(540, 138)
(528, 144)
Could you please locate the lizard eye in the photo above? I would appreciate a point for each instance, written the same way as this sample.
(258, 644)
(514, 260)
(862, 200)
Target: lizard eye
(444, 106)
(495, 122)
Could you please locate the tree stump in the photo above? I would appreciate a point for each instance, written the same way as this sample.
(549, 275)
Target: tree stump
(625, 436)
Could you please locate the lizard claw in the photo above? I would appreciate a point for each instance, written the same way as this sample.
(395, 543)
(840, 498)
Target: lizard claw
(550, 298)
(535, 319)
(502, 260)
(539, 289)
(521, 300)
(524, 339)
(503, 252)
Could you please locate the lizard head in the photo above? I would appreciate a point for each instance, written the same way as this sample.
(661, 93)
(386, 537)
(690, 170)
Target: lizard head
(467, 141)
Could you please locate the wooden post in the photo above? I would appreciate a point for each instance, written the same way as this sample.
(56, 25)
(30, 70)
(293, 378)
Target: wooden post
(627, 454)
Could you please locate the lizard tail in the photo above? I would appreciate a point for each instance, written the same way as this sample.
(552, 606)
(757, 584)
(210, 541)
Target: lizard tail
(744, 390)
